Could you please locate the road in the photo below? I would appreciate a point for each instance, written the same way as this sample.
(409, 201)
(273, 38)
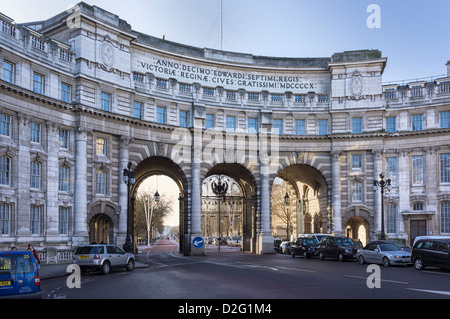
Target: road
(235, 275)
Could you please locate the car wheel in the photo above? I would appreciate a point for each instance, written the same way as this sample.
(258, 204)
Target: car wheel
(418, 263)
(305, 255)
(361, 260)
(321, 256)
(130, 265)
(106, 268)
(386, 262)
(341, 257)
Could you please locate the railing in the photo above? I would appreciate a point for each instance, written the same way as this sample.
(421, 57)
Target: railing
(55, 256)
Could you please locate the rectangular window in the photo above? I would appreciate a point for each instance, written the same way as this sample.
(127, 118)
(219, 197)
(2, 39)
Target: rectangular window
(8, 71)
(300, 98)
(277, 126)
(209, 121)
(445, 168)
(416, 122)
(357, 192)
(299, 127)
(63, 185)
(65, 55)
(35, 132)
(444, 119)
(101, 182)
(356, 161)
(322, 98)
(35, 175)
(5, 219)
(66, 92)
(391, 218)
(138, 77)
(390, 124)
(138, 109)
(38, 83)
(161, 116)
(253, 97)
(5, 124)
(64, 139)
(417, 173)
(106, 102)
(160, 83)
(35, 219)
(445, 217)
(5, 170)
(323, 127)
(185, 88)
(252, 125)
(63, 220)
(391, 169)
(390, 94)
(356, 125)
(230, 95)
(37, 43)
(100, 146)
(208, 91)
(231, 123)
(277, 97)
(184, 118)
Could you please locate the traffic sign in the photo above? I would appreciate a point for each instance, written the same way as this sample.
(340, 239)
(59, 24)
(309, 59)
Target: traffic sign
(198, 242)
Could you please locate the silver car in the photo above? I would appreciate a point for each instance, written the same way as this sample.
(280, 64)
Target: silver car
(103, 257)
(385, 254)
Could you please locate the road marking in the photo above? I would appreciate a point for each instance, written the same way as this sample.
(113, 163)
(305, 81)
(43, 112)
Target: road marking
(385, 280)
(259, 266)
(297, 269)
(435, 273)
(439, 292)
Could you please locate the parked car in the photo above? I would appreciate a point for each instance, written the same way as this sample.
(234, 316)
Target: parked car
(276, 244)
(431, 252)
(103, 258)
(19, 275)
(428, 237)
(234, 241)
(399, 245)
(315, 235)
(383, 253)
(305, 246)
(337, 247)
(285, 247)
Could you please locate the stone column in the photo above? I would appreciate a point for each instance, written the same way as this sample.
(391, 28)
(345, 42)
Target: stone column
(80, 235)
(265, 237)
(336, 192)
(52, 181)
(377, 170)
(123, 190)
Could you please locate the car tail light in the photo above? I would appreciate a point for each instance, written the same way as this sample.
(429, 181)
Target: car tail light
(37, 280)
(96, 256)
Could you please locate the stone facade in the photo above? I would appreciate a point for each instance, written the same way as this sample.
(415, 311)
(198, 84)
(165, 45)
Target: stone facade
(82, 94)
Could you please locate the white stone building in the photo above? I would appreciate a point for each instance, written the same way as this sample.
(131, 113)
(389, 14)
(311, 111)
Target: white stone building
(82, 94)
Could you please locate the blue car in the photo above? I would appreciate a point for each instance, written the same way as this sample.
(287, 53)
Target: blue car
(19, 275)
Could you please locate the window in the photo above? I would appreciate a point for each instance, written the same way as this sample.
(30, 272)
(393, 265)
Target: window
(65, 55)
(35, 132)
(138, 110)
(417, 166)
(184, 118)
(252, 125)
(357, 162)
(444, 119)
(391, 218)
(300, 98)
(253, 97)
(138, 77)
(106, 102)
(64, 141)
(418, 207)
(5, 170)
(445, 217)
(391, 169)
(277, 97)
(101, 183)
(8, 71)
(38, 83)
(444, 87)
(37, 43)
(356, 125)
(185, 88)
(35, 175)
(161, 117)
(63, 220)
(445, 168)
(416, 122)
(100, 146)
(64, 174)
(416, 91)
(35, 219)
(66, 92)
(231, 123)
(209, 121)
(323, 127)
(357, 192)
(5, 219)
(390, 124)
(299, 127)
(230, 95)
(208, 91)
(322, 98)
(5, 124)
(160, 83)
(390, 94)
(8, 29)
(277, 126)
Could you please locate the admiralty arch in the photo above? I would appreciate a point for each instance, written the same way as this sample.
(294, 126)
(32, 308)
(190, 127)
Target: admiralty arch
(82, 95)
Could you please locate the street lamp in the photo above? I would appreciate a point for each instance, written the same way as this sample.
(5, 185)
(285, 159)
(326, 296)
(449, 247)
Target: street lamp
(220, 189)
(382, 184)
(149, 214)
(129, 180)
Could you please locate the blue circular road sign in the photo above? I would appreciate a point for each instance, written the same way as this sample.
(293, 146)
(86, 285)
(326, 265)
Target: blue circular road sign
(198, 242)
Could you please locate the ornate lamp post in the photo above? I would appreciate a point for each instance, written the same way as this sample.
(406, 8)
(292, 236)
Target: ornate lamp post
(129, 180)
(219, 188)
(382, 184)
(149, 214)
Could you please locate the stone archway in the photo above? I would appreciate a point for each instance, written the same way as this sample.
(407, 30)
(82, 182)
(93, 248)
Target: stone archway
(358, 221)
(103, 219)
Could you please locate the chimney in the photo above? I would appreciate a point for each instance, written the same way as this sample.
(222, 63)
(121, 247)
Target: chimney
(448, 68)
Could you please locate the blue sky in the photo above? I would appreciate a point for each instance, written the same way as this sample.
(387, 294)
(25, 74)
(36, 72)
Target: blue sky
(414, 35)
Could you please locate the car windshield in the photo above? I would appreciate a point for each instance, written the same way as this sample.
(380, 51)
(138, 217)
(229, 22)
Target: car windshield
(387, 247)
(319, 237)
(310, 241)
(86, 250)
(5, 265)
(344, 242)
(400, 245)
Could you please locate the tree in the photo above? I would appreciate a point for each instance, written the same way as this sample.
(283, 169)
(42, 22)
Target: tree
(160, 211)
(280, 213)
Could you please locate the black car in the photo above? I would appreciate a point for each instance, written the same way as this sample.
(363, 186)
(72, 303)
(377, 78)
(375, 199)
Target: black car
(276, 245)
(305, 246)
(431, 252)
(337, 247)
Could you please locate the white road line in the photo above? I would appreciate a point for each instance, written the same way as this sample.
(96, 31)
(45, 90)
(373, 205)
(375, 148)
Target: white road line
(385, 280)
(439, 292)
(297, 269)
